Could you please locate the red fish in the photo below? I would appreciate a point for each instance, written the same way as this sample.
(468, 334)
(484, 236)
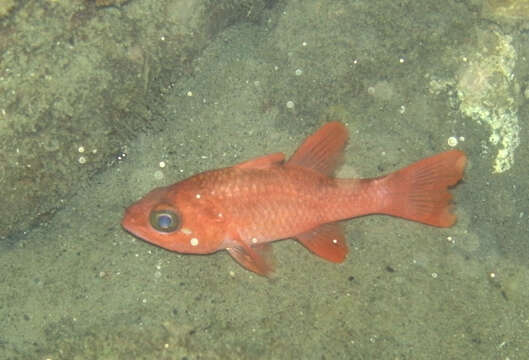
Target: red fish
(245, 207)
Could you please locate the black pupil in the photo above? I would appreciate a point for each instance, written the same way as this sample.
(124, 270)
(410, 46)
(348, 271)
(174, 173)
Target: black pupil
(164, 220)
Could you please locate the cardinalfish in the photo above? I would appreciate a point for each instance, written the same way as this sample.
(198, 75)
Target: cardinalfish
(245, 207)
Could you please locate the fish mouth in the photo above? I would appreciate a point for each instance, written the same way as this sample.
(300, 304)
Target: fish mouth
(130, 227)
(130, 221)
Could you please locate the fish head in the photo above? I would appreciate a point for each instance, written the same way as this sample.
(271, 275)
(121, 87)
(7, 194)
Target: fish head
(177, 220)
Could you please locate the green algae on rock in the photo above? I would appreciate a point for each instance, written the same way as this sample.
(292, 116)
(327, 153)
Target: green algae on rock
(488, 91)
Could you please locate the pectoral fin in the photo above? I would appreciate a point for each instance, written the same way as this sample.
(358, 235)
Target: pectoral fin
(256, 258)
(326, 241)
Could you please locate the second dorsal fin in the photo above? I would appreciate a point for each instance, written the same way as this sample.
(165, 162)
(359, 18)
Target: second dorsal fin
(322, 151)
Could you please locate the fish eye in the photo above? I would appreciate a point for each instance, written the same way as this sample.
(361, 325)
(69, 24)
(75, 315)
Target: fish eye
(164, 220)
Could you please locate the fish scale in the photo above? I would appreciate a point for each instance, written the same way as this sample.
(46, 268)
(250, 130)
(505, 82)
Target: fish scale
(282, 204)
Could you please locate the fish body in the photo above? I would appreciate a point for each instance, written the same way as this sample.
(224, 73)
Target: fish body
(245, 207)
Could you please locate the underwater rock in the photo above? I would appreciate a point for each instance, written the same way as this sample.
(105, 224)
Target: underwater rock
(486, 90)
(488, 93)
(506, 11)
(6, 6)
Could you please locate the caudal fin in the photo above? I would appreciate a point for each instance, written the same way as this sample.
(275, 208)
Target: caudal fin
(419, 192)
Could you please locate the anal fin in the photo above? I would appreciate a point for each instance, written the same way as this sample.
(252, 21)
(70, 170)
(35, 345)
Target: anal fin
(327, 241)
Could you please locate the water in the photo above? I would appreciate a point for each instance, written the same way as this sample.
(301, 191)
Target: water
(79, 287)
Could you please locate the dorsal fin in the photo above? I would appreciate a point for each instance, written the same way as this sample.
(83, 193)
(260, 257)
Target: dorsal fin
(322, 151)
(262, 162)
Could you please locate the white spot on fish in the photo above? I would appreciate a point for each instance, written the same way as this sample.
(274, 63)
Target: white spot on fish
(197, 196)
(334, 241)
(254, 240)
(193, 241)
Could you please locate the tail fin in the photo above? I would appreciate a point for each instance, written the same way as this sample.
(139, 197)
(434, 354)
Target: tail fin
(419, 192)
